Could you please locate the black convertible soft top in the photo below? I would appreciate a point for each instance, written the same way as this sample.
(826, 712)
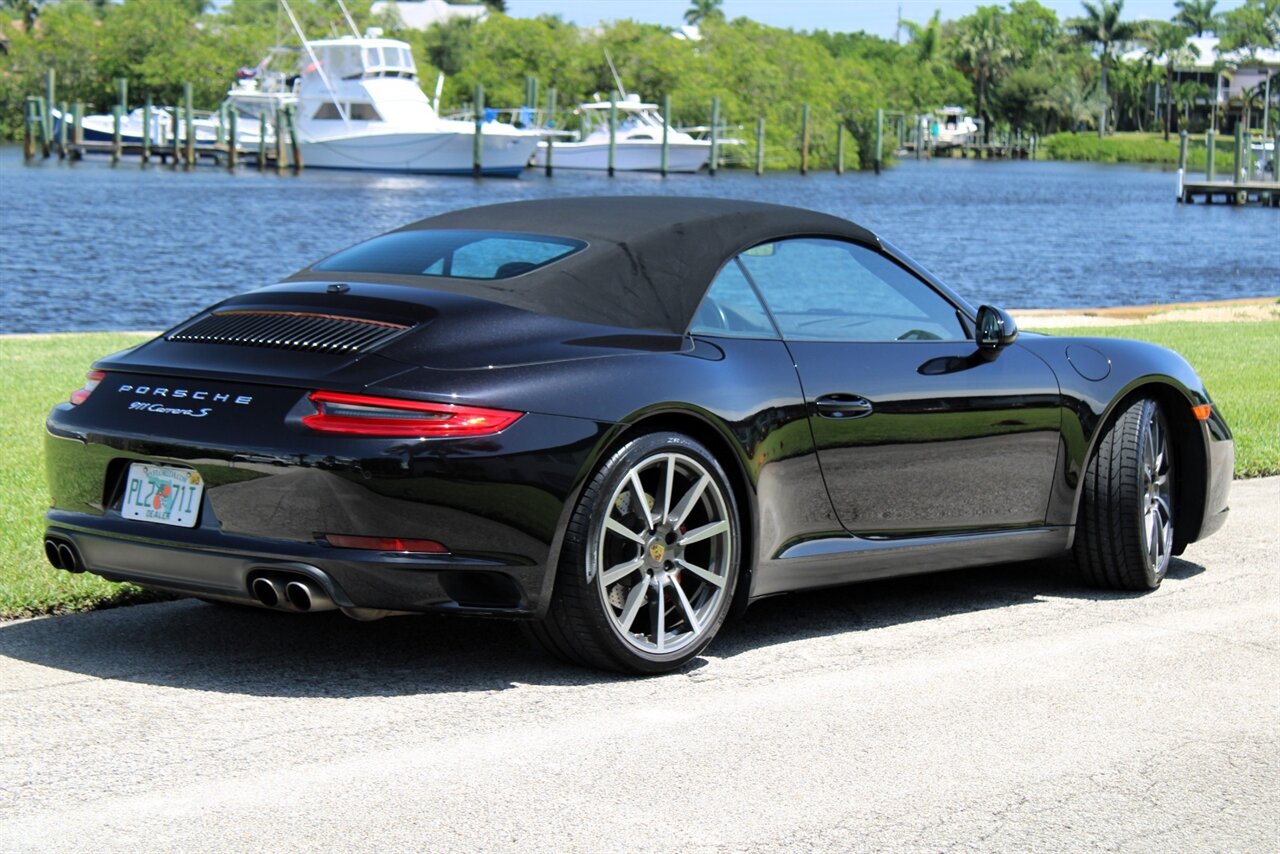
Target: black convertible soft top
(648, 259)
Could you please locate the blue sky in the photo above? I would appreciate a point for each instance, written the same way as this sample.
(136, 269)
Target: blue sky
(878, 17)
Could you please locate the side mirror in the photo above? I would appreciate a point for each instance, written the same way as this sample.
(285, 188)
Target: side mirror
(996, 329)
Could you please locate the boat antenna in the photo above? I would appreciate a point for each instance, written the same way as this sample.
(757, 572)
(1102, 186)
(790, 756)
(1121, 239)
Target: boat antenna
(350, 23)
(315, 62)
(435, 103)
(617, 81)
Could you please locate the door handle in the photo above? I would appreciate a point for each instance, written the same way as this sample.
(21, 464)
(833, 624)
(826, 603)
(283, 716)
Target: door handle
(842, 406)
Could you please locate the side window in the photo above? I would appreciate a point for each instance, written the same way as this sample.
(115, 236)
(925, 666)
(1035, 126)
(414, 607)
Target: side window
(829, 290)
(731, 308)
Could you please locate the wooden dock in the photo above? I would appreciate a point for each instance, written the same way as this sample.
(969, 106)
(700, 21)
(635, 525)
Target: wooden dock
(1232, 193)
(218, 154)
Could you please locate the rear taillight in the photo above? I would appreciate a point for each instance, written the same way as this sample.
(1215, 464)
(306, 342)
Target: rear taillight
(91, 381)
(366, 415)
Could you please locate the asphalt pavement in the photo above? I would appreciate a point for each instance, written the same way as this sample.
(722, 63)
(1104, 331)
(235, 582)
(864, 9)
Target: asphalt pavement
(1002, 708)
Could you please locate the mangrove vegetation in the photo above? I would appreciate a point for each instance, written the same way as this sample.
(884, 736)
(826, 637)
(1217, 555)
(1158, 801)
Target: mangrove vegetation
(1017, 66)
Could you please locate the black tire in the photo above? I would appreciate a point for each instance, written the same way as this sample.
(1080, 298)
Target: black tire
(598, 600)
(1129, 483)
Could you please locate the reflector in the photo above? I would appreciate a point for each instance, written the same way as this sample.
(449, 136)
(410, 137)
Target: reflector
(384, 544)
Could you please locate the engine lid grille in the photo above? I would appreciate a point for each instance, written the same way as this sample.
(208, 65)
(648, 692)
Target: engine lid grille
(289, 330)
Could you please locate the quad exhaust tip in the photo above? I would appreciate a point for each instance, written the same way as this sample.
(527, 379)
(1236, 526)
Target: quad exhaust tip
(291, 593)
(267, 591)
(62, 555)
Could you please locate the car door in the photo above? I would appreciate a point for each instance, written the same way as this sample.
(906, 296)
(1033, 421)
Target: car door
(915, 431)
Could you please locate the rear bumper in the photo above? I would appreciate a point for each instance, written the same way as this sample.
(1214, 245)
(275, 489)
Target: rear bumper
(358, 582)
(274, 492)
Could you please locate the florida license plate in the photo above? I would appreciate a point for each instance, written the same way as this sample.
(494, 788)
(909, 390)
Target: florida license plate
(170, 496)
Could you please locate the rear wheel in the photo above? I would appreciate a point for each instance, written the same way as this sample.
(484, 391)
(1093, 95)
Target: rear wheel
(1124, 531)
(650, 560)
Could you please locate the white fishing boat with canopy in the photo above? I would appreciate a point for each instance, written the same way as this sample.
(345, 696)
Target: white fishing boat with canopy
(359, 106)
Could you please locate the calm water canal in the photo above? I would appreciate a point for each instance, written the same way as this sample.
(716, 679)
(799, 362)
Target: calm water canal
(88, 246)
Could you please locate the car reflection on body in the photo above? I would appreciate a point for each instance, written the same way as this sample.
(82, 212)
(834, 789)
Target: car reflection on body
(620, 420)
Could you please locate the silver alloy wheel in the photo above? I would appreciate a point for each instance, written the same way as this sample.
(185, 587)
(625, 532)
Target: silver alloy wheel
(662, 554)
(1157, 496)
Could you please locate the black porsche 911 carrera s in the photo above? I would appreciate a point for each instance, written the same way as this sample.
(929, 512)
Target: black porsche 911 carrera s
(620, 420)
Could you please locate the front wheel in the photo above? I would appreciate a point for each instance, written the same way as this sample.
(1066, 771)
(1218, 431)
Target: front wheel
(650, 560)
(1124, 530)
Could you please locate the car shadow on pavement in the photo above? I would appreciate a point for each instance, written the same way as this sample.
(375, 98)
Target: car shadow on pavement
(879, 604)
(193, 645)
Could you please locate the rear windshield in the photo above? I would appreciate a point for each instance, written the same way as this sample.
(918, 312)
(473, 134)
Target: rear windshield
(455, 254)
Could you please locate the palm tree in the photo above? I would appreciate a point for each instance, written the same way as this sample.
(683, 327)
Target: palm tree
(1102, 28)
(926, 38)
(1196, 15)
(1252, 26)
(1169, 42)
(983, 50)
(1187, 93)
(703, 10)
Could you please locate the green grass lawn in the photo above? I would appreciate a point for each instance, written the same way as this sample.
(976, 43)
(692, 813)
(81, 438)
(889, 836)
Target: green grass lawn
(36, 373)
(1240, 363)
(1240, 366)
(1139, 148)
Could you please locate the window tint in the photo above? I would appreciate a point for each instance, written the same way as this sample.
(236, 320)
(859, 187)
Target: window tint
(732, 309)
(460, 254)
(836, 291)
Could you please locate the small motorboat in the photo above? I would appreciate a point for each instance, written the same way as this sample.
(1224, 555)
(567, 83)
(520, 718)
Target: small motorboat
(637, 141)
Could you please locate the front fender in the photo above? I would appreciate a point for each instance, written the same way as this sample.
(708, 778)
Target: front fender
(1099, 378)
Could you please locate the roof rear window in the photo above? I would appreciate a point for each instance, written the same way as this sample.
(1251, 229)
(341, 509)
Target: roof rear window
(451, 253)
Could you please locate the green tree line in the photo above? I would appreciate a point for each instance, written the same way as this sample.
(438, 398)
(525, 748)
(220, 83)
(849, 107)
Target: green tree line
(1017, 65)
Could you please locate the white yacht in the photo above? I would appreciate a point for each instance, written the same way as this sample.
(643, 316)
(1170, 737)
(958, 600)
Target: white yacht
(359, 106)
(637, 141)
(953, 127)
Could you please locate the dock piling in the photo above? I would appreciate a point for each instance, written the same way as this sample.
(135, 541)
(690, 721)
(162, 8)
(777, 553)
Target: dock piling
(189, 124)
(233, 149)
(1211, 144)
(291, 116)
(530, 91)
(477, 144)
(146, 128)
(176, 138)
(116, 142)
(42, 111)
(29, 129)
(613, 131)
(62, 131)
(1238, 174)
(759, 145)
(550, 121)
(840, 148)
(879, 138)
(666, 142)
(262, 141)
(1182, 162)
(50, 91)
(804, 140)
(77, 131)
(282, 157)
(715, 127)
